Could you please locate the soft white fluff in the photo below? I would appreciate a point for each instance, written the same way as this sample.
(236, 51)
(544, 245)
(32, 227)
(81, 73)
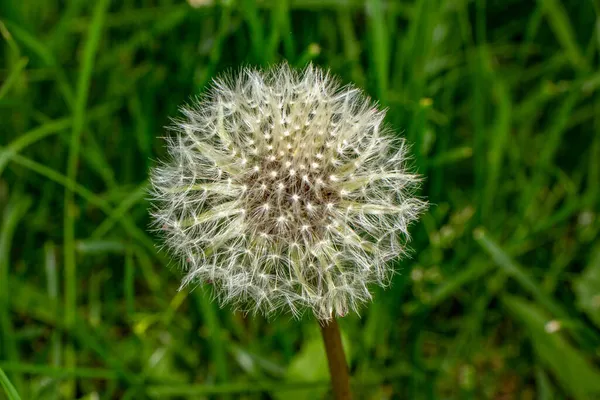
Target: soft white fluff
(285, 191)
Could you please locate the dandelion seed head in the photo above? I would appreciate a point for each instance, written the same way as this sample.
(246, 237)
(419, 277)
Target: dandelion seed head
(285, 190)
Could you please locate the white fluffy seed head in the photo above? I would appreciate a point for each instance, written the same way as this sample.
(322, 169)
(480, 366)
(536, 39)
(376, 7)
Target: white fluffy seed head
(285, 190)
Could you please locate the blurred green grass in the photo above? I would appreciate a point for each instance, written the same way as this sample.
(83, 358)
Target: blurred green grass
(501, 298)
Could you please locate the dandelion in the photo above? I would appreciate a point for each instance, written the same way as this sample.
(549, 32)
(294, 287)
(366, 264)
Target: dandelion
(287, 192)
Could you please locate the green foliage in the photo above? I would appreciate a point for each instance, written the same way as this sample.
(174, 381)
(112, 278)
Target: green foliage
(8, 387)
(587, 288)
(500, 100)
(570, 366)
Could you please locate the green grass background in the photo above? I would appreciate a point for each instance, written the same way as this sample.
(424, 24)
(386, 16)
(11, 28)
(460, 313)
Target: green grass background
(501, 101)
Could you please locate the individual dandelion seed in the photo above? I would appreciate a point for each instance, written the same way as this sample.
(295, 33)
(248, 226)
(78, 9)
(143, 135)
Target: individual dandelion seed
(286, 191)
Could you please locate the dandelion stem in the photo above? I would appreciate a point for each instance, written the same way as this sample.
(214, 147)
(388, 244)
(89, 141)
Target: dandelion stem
(338, 369)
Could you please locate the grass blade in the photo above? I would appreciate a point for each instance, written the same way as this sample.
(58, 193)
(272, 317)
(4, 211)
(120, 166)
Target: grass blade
(50, 128)
(560, 24)
(380, 48)
(9, 389)
(498, 142)
(12, 78)
(14, 212)
(511, 268)
(79, 111)
(569, 366)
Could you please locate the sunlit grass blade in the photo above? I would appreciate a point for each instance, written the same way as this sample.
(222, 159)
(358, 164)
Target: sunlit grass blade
(8, 387)
(379, 47)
